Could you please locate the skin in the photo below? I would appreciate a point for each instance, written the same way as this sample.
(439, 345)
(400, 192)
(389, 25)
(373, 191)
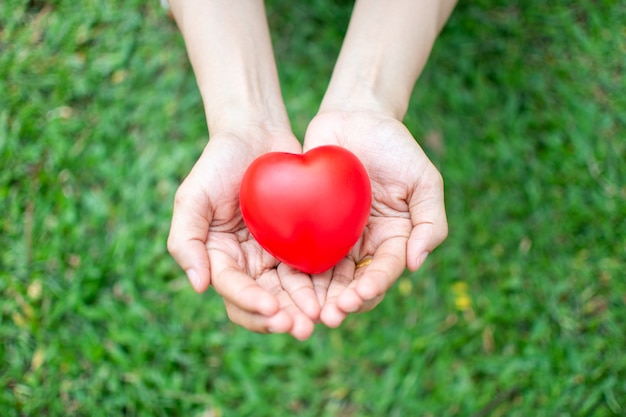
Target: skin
(385, 49)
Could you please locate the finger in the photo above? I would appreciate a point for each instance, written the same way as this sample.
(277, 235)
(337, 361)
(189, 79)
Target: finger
(188, 235)
(375, 279)
(370, 304)
(241, 290)
(353, 303)
(302, 325)
(428, 217)
(288, 318)
(321, 282)
(299, 287)
(341, 285)
(332, 316)
(281, 322)
(259, 305)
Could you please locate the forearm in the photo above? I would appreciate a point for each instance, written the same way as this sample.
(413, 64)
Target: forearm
(230, 49)
(385, 49)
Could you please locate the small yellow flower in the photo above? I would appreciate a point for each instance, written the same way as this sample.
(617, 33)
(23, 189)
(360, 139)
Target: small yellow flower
(462, 300)
(405, 286)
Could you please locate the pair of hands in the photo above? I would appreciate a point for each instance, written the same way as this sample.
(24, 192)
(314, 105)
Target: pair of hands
(210, 241)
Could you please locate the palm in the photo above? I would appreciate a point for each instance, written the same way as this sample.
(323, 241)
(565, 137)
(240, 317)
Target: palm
(407, 216)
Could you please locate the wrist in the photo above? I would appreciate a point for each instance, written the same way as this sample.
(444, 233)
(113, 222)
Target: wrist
(359, 92)
(233, 111)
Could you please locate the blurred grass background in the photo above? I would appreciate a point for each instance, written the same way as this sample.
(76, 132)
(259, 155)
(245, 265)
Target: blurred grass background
(521, 312)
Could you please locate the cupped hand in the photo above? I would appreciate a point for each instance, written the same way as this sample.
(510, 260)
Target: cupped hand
(407, 219)
(210, 241)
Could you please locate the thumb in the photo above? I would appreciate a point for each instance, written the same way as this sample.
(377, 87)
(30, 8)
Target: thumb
(188, 235)
(428, 217)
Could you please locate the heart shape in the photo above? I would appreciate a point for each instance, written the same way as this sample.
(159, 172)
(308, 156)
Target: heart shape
(307, 210)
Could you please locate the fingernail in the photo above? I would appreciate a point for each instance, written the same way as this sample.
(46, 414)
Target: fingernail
(193, 277)
(422, 258)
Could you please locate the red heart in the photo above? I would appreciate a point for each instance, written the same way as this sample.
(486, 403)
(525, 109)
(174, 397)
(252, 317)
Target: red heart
(307, 210)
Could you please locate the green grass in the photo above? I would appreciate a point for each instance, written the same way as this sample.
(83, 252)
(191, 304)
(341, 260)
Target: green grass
(521, 312)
